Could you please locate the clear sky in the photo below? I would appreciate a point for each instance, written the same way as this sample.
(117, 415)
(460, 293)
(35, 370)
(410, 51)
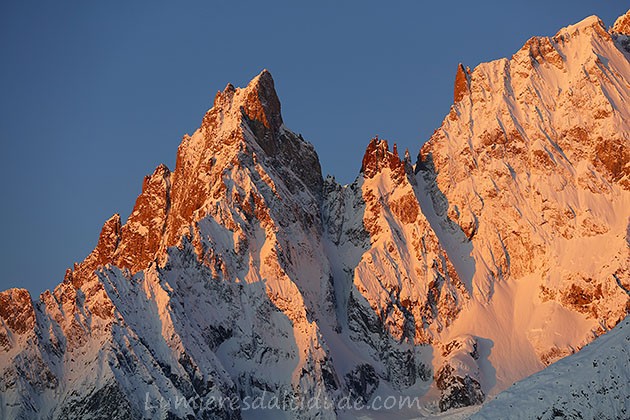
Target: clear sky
(95, 94)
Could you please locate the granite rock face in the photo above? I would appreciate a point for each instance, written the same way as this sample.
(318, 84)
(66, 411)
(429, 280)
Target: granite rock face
(243, 273)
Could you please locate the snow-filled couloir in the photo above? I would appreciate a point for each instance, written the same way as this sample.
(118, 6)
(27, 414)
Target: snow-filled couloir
(244, 273)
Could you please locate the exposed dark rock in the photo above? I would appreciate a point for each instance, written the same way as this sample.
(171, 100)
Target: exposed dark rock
(462, 84)
(457, 391)
(362, 382)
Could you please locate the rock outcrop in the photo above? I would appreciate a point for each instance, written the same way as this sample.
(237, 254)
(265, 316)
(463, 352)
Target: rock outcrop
(244, 274)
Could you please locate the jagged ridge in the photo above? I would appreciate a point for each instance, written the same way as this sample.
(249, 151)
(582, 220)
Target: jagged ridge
(243, 271)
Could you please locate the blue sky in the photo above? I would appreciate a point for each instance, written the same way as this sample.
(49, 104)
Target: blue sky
(94, 95)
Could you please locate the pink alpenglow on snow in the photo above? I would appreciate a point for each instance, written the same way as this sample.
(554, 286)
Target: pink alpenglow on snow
(243, 272)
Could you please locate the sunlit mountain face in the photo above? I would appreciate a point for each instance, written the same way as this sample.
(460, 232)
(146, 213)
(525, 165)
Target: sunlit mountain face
(244, 284)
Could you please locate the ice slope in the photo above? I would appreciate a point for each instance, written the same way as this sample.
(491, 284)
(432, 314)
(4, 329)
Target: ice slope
(593, 383)
(532, 165)
(243, 272)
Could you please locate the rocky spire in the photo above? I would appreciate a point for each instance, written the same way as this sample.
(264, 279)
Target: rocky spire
(257, 105)
(462, 83)
(378, 157)
(243, 129)
(262, 103)
(622, 24)
(142, 234)
(102, 254)
(16, 310)
(514, 191)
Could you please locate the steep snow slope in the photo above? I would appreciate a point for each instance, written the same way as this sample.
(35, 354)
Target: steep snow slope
(532, 165)
(397, 289)
(243, 273)
(215, 287)
(593, 383)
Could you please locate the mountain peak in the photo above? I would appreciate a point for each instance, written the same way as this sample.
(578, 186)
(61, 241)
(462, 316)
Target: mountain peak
(16, 310)
(263, 77)
(591, 22)
(257, 105)
(462, 83)
(244, 256)
(261, 101)
(622, 24)
(161, 170)
(104, 251)
(378, 157)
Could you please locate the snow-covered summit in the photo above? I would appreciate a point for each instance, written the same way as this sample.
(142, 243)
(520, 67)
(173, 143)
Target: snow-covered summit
(590, 22)
(243, 273)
